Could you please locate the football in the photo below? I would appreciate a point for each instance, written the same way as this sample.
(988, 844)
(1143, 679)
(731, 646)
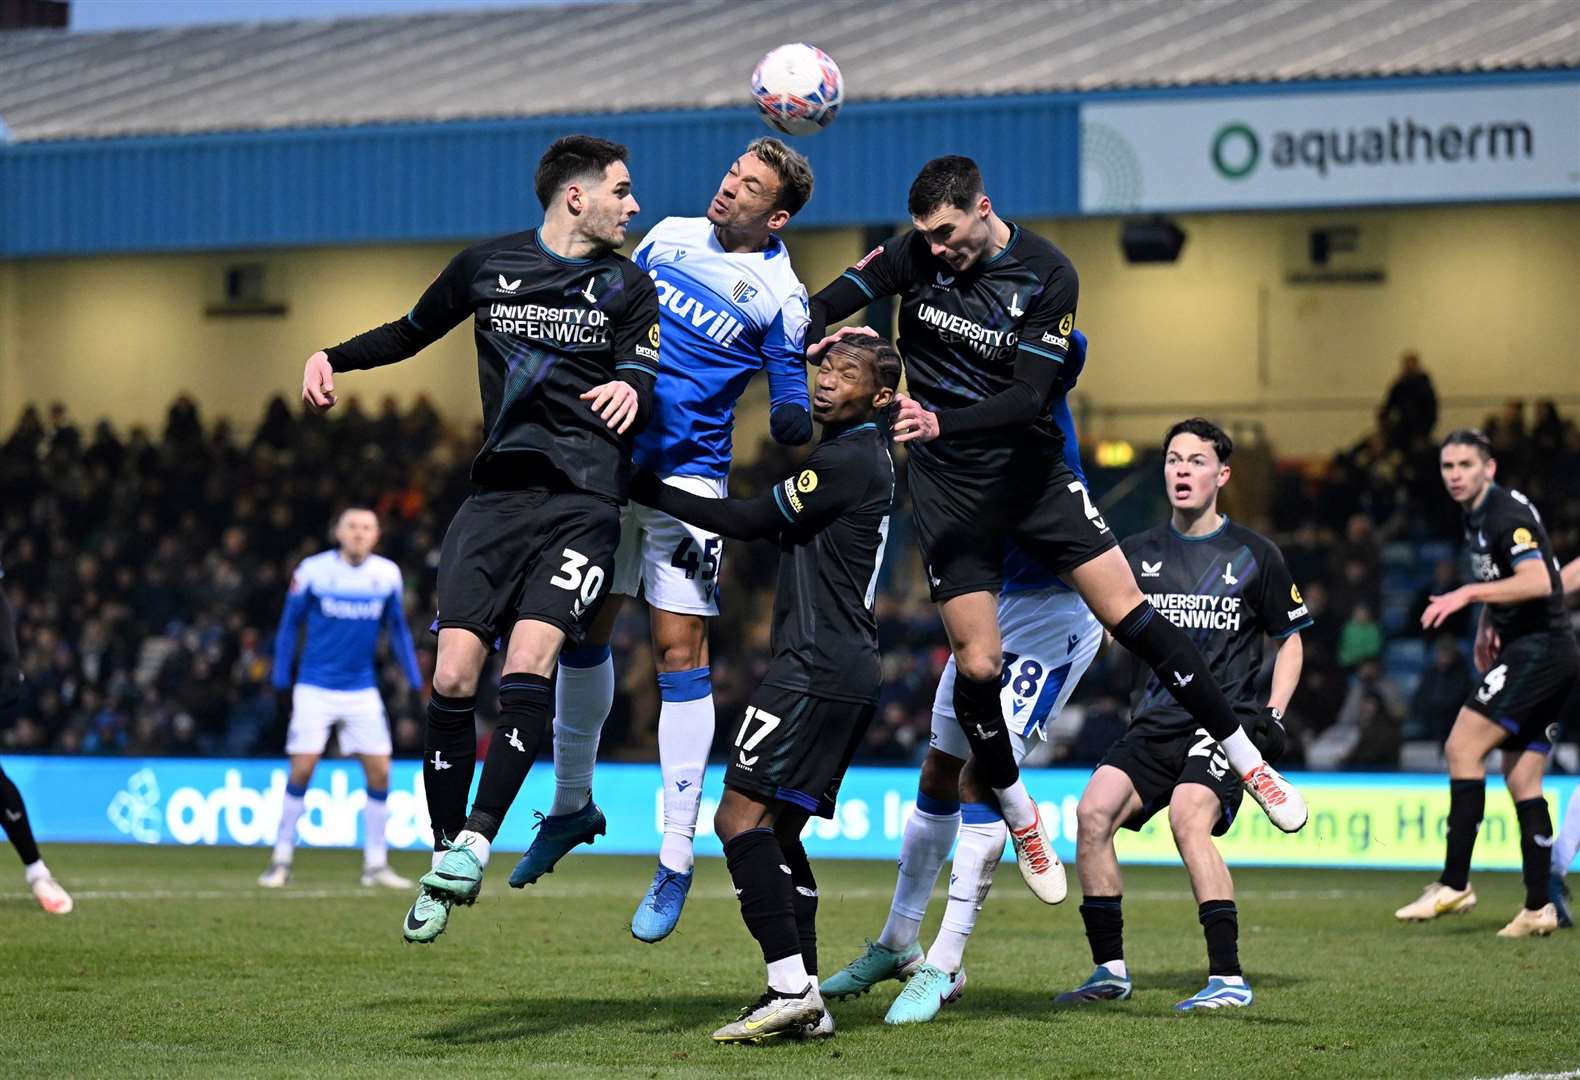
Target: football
(798, 89)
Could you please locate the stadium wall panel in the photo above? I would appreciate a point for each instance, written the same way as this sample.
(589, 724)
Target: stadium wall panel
(1364, 820)
(417, 182)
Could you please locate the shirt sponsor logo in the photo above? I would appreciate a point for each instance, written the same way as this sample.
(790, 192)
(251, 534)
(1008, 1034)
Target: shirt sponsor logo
(1523, 541)
(792, 497)
(350, 609)
(1193, 611)
(561, 325)
(952, 328)
(1067, 323)
(717, 324)
(861, 264)
(1056, 341)
(1484, 566)
(1297, 613)
(1294, 594)
(807, 481)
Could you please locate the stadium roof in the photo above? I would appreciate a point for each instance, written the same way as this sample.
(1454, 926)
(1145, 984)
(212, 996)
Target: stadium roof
(685, 54)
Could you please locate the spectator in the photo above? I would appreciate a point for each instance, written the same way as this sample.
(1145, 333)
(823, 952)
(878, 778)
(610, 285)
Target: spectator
(1360, 640)
(1409, 413)
(1445, 579)
(1444, 686)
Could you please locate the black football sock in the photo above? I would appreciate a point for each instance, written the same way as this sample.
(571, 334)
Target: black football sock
(757, 869)
(1105, 927)
(1467, 801)
(1536, 849)
(1220, 923)
(803, 901)
(981, 716)
(1180, 668)
(526, 706)
(449, 757)
(13, 815)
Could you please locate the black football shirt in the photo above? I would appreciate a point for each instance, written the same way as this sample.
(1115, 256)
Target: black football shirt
(836, 509)
(961, 331)
(1227, 590)
(548, 329)
(1503, 531)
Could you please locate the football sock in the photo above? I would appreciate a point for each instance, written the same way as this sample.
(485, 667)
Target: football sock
(929, 834)
(1536, 836)
(1105, 928)
(584, 695)
(1467, 801)
(35, 871)
(977, 853)
(981, 717)
(762, 882)
(803, 900)
(375, 819)
(449, 757)
(14, 818)
(479, 845)
(685, 736)
(1568, 839)
(526, 704)
(1182, 670)
(290, 814)
(1220, 924)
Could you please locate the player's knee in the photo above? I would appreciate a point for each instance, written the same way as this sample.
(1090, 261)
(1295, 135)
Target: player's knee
(678, 656)
(1094, 822)
(1189, 821)
(454, 681)
(940, 778)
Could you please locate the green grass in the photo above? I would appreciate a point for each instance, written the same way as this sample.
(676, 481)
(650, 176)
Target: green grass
(174, 963)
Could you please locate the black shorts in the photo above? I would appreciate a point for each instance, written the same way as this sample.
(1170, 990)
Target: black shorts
(962, 525)
(795, 748)
(534, 554)
(1159, 762)
(1525, 690)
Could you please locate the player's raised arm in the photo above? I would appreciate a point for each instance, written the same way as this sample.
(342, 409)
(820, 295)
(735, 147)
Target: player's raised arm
(784, 346)
(879, 273)
(438, 311)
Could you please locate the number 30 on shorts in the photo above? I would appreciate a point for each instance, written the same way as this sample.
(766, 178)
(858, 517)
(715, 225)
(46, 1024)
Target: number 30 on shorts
(572, 577)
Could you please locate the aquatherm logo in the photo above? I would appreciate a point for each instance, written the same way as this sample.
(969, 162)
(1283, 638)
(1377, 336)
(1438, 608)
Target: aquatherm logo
(1235, 150)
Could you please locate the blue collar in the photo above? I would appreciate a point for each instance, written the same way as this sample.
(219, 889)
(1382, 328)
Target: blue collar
(1198, 539)
(537, 238)
(840, 433)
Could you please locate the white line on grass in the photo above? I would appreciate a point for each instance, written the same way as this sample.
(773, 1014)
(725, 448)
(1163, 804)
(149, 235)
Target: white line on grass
(1572, 1074)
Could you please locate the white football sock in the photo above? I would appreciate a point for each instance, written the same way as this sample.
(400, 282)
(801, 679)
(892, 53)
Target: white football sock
(35, 872)
(375, 817)
(290, 814)
(584, 696)
(977, 855)
(476, 843)
(685, 736)
(1016, 803)
(923, 849)
(1568, 839)
(1241, 751)
(788, 976)
(1116, 967)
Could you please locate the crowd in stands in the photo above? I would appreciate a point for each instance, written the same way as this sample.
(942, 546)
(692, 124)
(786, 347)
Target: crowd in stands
(149, 570)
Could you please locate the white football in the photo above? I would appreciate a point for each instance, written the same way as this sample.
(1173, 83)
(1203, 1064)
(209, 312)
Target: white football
(798, 89)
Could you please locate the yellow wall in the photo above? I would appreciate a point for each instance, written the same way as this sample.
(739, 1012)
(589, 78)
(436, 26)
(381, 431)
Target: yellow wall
(1489, 295)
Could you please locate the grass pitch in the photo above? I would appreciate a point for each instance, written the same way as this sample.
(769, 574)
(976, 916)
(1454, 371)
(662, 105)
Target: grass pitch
(176, 964)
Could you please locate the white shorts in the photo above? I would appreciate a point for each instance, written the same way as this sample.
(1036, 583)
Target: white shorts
(360, 714)
(1050, 638)
(676, 565)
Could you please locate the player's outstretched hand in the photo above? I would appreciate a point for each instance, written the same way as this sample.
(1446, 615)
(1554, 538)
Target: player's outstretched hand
(815, 352)
(1488, 646)
(318, 383)
(912, 423)
(615, 403)
(1441, 607)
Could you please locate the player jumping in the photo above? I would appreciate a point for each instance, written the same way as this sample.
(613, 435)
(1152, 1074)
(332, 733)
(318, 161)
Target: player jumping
(567, 351)
(806, 720)
(344, 598)
(1528, 652)
(986, 314)
(730, 305)
(13, 812)
(1050, 639)
(1229, 586)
